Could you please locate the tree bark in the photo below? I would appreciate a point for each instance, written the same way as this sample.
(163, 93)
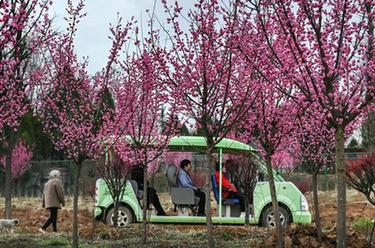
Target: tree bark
(75, 204)
(8, 175)
(275, 205)
(145, 207)
(115, 212)
(207, 190)
(247, 211)
(8, 186)
(341, 187)
(372, 233)
(19, 187)
(316, 206)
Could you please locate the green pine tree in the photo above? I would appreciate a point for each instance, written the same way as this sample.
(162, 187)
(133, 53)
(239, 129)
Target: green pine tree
(368, 132)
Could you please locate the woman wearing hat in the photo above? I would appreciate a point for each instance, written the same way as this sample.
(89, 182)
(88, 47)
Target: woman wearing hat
(53, 196)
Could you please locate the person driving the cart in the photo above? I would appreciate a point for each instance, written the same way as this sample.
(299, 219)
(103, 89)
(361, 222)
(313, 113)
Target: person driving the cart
(228, 189)
(152, 196)
(184, 180)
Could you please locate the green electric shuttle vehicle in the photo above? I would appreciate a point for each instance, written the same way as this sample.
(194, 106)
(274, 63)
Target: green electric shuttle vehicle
(293, 206)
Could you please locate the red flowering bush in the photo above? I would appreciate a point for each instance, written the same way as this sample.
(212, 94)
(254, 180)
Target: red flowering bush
(361, 176)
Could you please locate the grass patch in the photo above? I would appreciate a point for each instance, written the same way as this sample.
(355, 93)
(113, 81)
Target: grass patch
(365, 226)
(363, 223)
(54, 242)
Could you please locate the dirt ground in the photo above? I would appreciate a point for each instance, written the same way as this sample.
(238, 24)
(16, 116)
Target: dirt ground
(32, 215)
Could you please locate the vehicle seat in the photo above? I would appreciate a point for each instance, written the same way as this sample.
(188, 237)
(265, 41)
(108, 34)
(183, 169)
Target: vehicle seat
(181, 197)
(138, 193)
(231, 205)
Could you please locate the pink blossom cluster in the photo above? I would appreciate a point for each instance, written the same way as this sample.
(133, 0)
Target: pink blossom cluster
(322, 50)
(174, 158)
(21, 157)
(141, 101)
(284, 160)
(71, 103)
(20, 25)
(284, 76)
(314, 62)
(209, 78)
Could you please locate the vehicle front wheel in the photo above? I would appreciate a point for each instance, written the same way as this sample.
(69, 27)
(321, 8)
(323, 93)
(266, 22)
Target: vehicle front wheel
(268, 217)
(125, 216)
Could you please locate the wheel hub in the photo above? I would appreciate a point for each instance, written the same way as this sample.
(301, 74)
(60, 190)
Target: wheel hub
(271, 219)
(122, 218)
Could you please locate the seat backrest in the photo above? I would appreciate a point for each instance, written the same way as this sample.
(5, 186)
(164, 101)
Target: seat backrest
(215, 187)
(138, 193)
(134, 186)
(171, 175)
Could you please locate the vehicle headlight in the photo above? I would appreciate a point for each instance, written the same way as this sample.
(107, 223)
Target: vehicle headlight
(304, 204)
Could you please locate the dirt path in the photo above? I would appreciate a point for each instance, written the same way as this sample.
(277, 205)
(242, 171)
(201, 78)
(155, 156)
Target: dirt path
(31, 217)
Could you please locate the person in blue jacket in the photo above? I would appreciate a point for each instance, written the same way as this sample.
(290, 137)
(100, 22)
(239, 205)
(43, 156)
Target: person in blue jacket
(184, 180)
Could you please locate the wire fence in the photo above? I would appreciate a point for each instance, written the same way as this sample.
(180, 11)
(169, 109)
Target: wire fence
(31, 183)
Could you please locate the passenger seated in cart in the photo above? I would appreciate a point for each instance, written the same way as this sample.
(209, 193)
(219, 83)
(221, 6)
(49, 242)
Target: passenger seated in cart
(228, 190)
(184, 180)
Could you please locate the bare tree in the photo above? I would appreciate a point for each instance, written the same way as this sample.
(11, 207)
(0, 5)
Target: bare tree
(244, 174)
(114, 172)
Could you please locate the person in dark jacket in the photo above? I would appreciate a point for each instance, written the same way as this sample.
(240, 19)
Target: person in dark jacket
(152, 196)
(53, 197)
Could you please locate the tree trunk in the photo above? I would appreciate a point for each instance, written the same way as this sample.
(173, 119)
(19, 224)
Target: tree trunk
(145, 206)
(19, 187)
(75, 204)
(13, 187)
(207, 190)
(247, 211)
(316, 206)
(8, 186)
(275, 205)
(8, 175)
(115, 212)
(341, 187)
(372, 233)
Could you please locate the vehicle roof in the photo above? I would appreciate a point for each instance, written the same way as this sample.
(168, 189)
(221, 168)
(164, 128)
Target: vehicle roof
(199, 144)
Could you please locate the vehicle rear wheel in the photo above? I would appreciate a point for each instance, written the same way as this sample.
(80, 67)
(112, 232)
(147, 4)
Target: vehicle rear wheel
(268, 217)
(125, 216)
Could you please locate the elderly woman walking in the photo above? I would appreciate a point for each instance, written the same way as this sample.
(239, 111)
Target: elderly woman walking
(53, 196)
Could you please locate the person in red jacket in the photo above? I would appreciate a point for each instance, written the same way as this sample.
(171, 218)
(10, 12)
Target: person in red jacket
(228, 190)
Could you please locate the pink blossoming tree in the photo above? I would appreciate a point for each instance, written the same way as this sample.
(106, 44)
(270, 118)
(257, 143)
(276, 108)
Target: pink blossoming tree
(75, 108)
(313, 147)
(20, 25)
(212, 85)
(270, 130)
(144, 134)
(326, 49)
(21, 157)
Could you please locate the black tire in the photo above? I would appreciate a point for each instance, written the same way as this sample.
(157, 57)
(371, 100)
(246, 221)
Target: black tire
(268, 219)
(125, 216)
